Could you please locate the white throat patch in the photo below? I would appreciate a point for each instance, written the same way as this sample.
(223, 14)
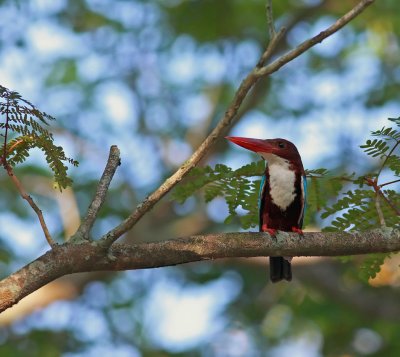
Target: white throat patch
(281, 180)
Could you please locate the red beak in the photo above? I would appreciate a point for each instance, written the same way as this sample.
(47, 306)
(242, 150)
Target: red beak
(256, 145)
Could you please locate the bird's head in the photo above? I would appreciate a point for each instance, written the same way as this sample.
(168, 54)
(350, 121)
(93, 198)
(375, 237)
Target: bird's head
(271, 150)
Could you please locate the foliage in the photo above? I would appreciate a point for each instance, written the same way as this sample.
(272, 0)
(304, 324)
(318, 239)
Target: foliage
(361, 207)
(240, 190)
(23, 129)
(364, 207)
(234, 185)
(372, 265)
(369, 207)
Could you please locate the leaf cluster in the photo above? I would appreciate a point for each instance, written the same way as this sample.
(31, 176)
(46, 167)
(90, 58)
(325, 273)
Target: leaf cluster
(23, 128)
(236, 186)
(322, 186)
(368, 206)
(355, 210)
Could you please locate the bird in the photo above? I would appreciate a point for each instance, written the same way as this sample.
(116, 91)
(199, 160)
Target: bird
(282, 195)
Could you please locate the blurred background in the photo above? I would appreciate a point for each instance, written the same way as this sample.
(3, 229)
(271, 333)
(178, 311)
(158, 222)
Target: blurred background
(154, 77)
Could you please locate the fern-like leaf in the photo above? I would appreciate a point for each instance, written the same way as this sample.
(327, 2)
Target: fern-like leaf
(375, 147)
(365, 208)
(23, 128)
(372, 265)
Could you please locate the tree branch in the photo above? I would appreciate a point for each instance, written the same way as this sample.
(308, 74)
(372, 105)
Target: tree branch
(89, 256)
(389, 202)
(270, 19)
(379, 210)
(113, 162)
(377, 188)
(389, 183)
(17, 183)
(386, 159)
(306, 45)
(223, 125)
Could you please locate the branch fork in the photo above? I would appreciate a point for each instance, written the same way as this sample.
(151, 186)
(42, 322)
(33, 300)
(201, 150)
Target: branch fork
(83, 232)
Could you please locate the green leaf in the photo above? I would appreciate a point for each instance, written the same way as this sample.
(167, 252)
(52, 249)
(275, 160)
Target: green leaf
(395, 120)
(375, 147)
(372, 265)
(24, 124)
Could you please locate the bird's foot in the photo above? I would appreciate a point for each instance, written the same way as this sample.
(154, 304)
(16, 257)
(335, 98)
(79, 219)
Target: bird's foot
(270, 231)
(298, 230)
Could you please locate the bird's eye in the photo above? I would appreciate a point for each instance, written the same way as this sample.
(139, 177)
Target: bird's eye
(281, 144)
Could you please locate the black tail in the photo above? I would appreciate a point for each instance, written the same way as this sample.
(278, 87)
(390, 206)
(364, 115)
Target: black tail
(279, 269)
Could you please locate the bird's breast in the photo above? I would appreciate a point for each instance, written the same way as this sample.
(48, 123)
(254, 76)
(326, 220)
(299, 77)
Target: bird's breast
(282, 185)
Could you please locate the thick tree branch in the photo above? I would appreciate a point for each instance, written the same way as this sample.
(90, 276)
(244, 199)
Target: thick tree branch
(89, 256)
(224, 124)
(113, 162)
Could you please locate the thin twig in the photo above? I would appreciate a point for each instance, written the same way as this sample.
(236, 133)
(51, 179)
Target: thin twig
(304, 46)
(389, 202)
(113, 162)
(31, 202)
(274, 38)
(225, 123)
(17, 183)
(386, 159)
(379, 210)
(4, 158)
(374, 184)
(270, 20)
(389, 183)
(12, 147)
(377, 187)
(271, 47)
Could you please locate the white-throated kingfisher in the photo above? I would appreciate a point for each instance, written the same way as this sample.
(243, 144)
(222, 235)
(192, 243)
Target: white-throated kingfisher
(282, 195)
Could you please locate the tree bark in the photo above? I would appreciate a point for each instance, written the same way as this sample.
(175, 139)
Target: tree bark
(89, 256)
